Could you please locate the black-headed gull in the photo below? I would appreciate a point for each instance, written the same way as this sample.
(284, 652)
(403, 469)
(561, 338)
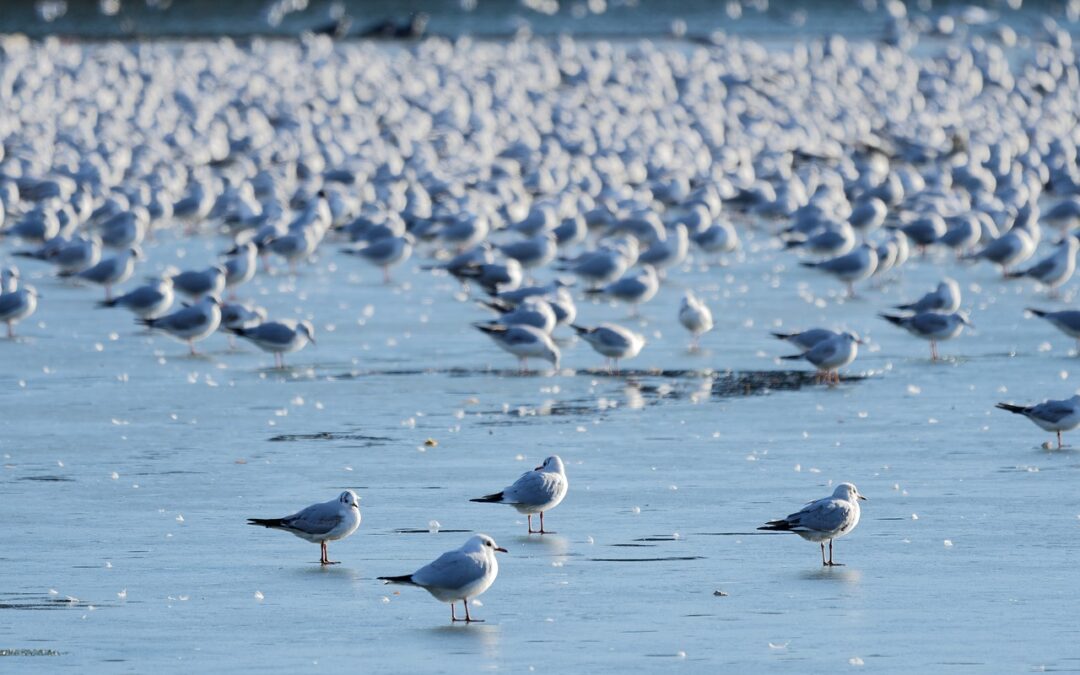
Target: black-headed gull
(830, 355)
(695, 316)
(945, 299)
(320, 523)
(460, 574)
(931, 326)
(190, 324)
(536, 491)
(823, 520)
(16, 302)
(523, 342)
(850, 267)
(279, 337)
(612, 341)
(1056, 416)
(146, 302)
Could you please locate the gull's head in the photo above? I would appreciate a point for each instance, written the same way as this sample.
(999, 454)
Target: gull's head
(848, 491)
(349, 498)
(482, 542)
(307, 329)
(552, 464)
(852, 337)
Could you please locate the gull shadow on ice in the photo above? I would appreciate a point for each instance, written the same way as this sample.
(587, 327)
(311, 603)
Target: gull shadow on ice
(843, 574)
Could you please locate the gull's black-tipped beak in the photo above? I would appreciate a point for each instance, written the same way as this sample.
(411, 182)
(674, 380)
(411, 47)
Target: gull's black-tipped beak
(862, 498)
(538, 468)
(500, 549)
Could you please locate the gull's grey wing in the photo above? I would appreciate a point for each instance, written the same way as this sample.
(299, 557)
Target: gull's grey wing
(99, 272)
(533, 487)
(1051, 411)
(610, 338)
(452, 569)
(516, 335)
(930, 322)
(9, 302)
(316, 519)
(184, 319)
(845, 263)
(822, 351)
(1041, 269)
(1069, 317)
(273, 331)
(824, 515)
(143, 296)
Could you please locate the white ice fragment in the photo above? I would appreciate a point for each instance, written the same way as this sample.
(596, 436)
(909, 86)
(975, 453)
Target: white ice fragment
(433, 526)
(855, 661)
(258, 596)
(948, 543)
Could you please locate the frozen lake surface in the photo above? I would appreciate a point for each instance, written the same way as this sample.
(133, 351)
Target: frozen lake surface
(129, 469)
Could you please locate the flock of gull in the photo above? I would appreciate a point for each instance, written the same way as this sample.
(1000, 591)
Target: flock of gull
(541, 176)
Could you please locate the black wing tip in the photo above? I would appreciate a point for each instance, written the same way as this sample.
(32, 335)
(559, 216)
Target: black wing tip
(891, 318)
(403, 579)
(264, 522)
(807, 264)
(489, 499)
(1019, 409)
(776, 526)
(1037, 312)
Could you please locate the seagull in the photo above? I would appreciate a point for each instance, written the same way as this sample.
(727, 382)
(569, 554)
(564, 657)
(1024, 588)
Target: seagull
(695, 317)
(385, 252)
(533, 311)
(850, 267)
(279, 337)
(830, 355)
(70, 256)
(807, 339)
(460, 574)
(492, 277)
(634, 289)
(110, 271)
(534, 252)
(944, 299)
(823, 520)
(192, 323)
(320, 523)
(240, 267)
(1067, 321)
(536, 491)
(146, 302)
(603, 265)
(523, 342)
(665, 253)
(719, 237)
(1055, 269)
(1056, 416)
(294, 246)
(833, 241)
(197, 283)
(612, 341)
(16, 302)
(931, 326)
(1011, 248)
(964, 234)
(868, 216)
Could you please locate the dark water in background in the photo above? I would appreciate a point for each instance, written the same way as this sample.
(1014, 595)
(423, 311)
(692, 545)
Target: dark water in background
(484, 18)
